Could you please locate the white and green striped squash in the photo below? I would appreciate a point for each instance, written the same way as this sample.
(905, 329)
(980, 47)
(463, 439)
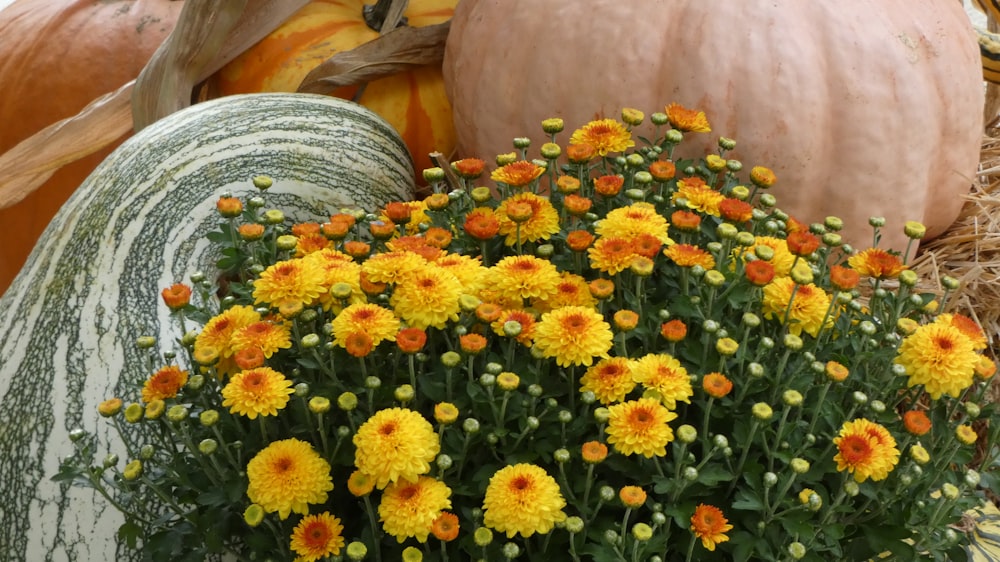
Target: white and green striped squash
(69, 322)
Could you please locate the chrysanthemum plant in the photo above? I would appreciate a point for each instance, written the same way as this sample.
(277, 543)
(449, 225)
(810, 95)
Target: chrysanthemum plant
(608, 355)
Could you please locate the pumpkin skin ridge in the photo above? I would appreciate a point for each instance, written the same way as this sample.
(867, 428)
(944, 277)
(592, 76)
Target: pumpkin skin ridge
(829, 158)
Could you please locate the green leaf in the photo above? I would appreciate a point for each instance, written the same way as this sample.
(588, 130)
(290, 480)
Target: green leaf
(747, 501)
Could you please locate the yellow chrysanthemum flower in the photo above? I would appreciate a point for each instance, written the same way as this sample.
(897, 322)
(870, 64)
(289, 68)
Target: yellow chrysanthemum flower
(408, 509)
(940, 357)
(395, 444)
(523, 499)
(337, 267)
(633, 220)
(809, 306)
(605, 135)
(664, 374)
(612, 254)
(523, 277)
(687, 255)
(609, 379)
(257, 392)
(317, 536)
(218, 331)
(687, 120)
(542, 224)
(468, 270)
(573, 335)
(783, 258)
(390, 267)
(517, 174)
(289, 282)
(640, 427)
(287, 476)
(377, 322)
(266, 336)
(699, 196)
(865, 449)
(572, 290)
(428, 297)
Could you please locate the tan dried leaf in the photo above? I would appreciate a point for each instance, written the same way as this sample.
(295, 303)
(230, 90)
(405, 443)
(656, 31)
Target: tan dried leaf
(396, 51)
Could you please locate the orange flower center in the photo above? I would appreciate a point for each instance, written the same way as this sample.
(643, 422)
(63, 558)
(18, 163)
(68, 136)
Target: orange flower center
(855, 449)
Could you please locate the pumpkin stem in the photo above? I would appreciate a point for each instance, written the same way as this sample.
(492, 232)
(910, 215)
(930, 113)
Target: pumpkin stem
(385, 15)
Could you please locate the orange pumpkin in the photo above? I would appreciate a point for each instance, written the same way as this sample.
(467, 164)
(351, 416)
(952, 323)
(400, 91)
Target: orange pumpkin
(413, 102)
(57, 56)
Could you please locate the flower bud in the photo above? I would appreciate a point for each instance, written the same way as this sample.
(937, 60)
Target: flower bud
(208, 446)
(574, 524)
(762, 411)
(797, 550)
(799, 466)
(177, 413)
(770, 479)
(133, 470)
(404, 393)
(687, 434)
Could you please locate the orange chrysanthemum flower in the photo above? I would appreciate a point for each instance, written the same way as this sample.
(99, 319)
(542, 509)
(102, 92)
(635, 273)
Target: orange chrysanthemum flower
(640, 427)
(411, 340)
(759, 272)
(577, 205)
(940, 357)
(541, 225)
(580, 153)
(358, 344)
(844, 278)
(605, 135)
(762, 177)
(664, 374)
(573, 335)
(445, 527)
(609, 379)
(579, 240)
(735, 211)
(716, 385)
(438, 237)
(877, 263)
(471, 343)
(481, 223)
(608, 186)
(916, 422)
(176, 296)
(522, 499)
(686, 221)
(360, 484)
(662, 170)
(687, 120)
(165, 383)
(594, 452)
(517, 174)
(317, 536)
(632, 496)
(803, 307)
(686, 255)
(257, 392)
(309, 243)
(865, 449)
(287, 476)
(802, 243)
(469, 168)
(710, 525)
(673, 330)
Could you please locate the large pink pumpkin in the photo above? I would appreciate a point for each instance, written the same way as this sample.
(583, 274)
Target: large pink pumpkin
(862, 108)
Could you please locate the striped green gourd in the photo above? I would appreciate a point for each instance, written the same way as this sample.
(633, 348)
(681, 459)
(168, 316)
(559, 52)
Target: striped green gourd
(69, 322)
